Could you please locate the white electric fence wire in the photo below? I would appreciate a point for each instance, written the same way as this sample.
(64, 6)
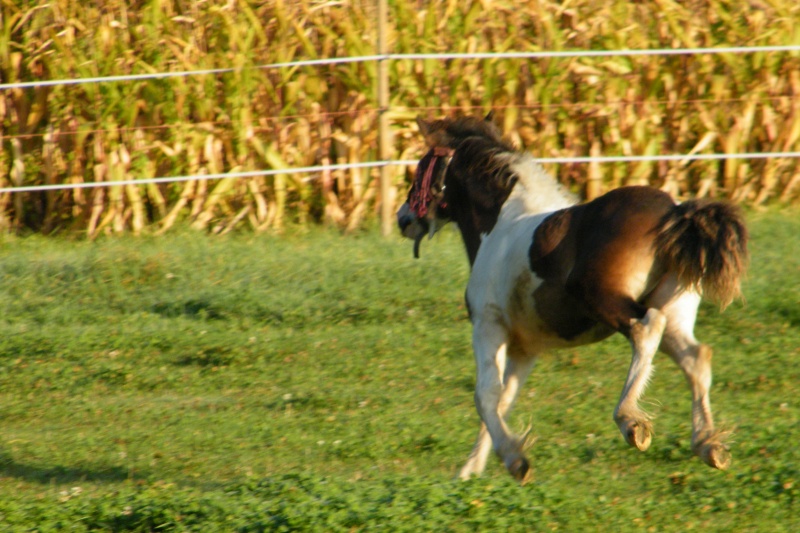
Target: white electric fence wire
(384, 57)
(387, 57)
(376, 164)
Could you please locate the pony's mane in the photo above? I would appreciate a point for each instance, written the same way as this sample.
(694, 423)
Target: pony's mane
(451, 132)
(483, 152)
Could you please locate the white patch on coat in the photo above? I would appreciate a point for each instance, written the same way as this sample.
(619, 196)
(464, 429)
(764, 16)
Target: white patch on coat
(502, 262)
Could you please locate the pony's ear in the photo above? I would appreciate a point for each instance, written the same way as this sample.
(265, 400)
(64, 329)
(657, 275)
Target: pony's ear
(489, 116)
(424, 127)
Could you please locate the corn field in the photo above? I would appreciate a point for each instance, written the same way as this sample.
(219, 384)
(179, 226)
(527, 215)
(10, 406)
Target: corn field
(284, 118)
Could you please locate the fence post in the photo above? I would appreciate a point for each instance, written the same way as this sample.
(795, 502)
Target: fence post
(594, 180)
(384, 132)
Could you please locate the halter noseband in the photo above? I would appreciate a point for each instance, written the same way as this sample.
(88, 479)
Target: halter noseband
(422, 196)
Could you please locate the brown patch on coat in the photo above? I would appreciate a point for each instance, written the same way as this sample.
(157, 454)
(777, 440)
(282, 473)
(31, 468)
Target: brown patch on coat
(597, 260)
(550, 250)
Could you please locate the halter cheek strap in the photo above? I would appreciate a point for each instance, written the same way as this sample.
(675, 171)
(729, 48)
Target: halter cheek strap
(423, 196)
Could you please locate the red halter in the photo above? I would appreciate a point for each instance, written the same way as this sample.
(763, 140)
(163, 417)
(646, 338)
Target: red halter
(423, 196)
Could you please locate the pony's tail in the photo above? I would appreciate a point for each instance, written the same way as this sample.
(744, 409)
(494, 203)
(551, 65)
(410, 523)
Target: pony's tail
(705, 244)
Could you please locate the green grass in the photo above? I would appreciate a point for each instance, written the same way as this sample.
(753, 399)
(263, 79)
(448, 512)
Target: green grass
(321, 383)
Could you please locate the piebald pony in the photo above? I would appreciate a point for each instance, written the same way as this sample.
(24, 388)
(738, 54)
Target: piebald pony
(547, 272)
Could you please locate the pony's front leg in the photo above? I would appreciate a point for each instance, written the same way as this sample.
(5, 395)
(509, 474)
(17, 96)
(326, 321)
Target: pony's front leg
(476, 462)
(645, 337)
(518, 367)
(490, 342)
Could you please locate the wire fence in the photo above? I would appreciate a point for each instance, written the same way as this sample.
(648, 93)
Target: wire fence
(400, 162)
(416, 57)
(577, 54)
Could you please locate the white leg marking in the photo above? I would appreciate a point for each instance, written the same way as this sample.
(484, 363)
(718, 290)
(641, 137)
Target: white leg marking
(695, 361)
(516, 372)
(493, 399)
(645, 338)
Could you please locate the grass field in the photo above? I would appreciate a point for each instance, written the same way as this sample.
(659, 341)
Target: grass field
(315, 382)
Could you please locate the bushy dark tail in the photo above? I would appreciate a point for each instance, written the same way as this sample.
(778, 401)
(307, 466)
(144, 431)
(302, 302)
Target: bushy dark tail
(705, 244)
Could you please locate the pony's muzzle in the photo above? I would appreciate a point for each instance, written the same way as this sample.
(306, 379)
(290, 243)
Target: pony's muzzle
(408, 222)
(411, 226)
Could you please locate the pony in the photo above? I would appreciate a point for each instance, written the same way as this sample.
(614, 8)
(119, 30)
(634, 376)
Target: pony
(548, 272)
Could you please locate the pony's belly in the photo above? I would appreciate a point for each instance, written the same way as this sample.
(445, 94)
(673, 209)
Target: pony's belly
(536, 335)
(543, 316)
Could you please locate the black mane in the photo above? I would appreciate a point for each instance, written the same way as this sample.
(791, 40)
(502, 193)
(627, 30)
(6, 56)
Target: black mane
(452, 132)
(477, 143)
(487, 177)
(479, 177)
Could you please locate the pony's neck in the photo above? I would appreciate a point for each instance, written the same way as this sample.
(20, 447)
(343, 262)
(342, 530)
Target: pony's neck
(472, 237)
(533, 192)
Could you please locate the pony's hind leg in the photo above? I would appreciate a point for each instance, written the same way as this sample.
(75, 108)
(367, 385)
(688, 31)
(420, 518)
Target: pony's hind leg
(516, 372)
(645, 337)
(643, 326)
(695, 361)
(607, 297)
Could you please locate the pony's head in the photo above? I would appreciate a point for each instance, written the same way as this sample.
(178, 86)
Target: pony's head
(426, 208)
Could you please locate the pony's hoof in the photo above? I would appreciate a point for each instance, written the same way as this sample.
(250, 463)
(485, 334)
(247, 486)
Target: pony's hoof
(639, 435)
(521, 470)
(467, 473)
(715, 455)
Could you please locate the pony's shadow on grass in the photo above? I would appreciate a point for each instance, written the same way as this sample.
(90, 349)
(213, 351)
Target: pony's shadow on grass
(193, 308)
(47, 474)
(59, 474)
